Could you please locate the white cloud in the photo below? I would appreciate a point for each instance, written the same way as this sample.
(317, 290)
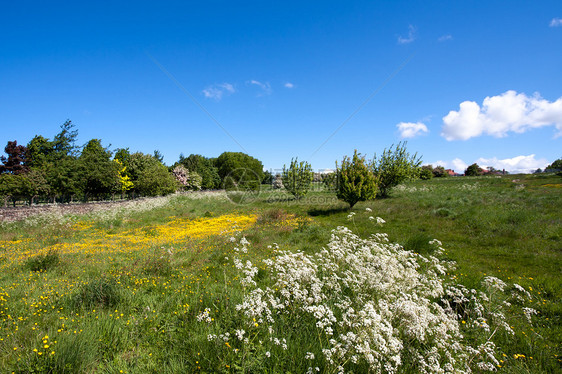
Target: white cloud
(518, 164)
(508, 112)
(556, 22)
(266, 88)
(411, 130)
(289, 85)
(457, 165)
(217, 91)
(412, 34)
(444, 38)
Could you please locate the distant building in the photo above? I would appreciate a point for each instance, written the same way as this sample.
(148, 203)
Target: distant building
(451, 173)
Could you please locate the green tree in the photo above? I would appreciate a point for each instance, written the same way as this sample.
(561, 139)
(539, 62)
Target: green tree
(40, 150)
(557, 165)
(240, 169)
(99, 176)
(394, 167)
(297, 179)
(37, 185)
(426, 172)
(356, 182)
(205, 168)
(473, 170)
(156, 180)
(64, 143)
(439, 172)
(268, 177)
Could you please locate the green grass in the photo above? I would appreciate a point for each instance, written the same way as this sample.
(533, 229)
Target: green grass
(137, 312)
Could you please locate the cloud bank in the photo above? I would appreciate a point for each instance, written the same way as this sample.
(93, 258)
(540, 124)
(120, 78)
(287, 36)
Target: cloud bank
(501, 114)
(517, 164)
(411, 130)
(217, 91)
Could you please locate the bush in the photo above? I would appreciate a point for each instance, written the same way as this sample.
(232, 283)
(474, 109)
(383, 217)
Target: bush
(473, 170)
(356, 182)
(394, 167)
(97, 292)
(297, 179)
(426, 172)
(43, 262)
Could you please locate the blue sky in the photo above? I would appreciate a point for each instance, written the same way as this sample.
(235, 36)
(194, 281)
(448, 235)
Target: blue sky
(462, 82)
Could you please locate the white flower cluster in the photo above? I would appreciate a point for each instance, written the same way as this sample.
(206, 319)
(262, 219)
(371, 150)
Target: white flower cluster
(374, 304)
(370, 300)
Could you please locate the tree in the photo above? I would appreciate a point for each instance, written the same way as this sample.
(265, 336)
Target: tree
(64, 143)
(15, 162)
(240, 170)
(205, 168)
(40, 150)
(330, 181)
(189, 180)
(473, 170)
(36, 185)
(159, 156)
(125, 183)
(297, 179)
(156, 180)
(98, 174)
(426, 172)
(439, 172)
(556, 165)
(394, 167)
(268, 177)
(356, 182)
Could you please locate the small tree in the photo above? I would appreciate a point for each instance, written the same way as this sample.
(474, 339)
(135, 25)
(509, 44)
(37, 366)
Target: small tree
(297, 179)
(189, 180)
(473, 170)
(356, 182)
(426, 172)
(439, 172)
(394, 167)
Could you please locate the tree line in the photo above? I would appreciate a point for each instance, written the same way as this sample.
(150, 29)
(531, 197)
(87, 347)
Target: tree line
(58, 170)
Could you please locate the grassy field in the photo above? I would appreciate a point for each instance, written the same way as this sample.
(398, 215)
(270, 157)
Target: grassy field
(160, 286)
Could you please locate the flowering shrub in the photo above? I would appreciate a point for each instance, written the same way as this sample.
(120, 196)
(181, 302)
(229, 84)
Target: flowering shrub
(369, 306)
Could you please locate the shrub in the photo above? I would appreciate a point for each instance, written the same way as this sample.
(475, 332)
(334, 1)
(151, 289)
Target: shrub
(394, 167)
(356, 182)
(297, 179)
(97, 292)
(473, 170)
(43, 262)
(426, 172)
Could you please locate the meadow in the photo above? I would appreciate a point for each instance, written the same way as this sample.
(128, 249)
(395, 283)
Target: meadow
(446, 275)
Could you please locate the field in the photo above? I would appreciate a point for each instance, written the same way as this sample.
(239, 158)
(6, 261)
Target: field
(164, 286)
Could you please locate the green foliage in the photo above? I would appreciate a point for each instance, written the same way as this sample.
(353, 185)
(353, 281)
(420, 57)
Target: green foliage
(99, 176)
(43, 262)
(98, 292)
(297, 179)
(426, 172)
(240, 170)
(203, 166)
(268, 177)
(155, 180)
(557, 165)
(473, 170)
(64, 143)
(439, 172)
(330, 181)
(394, 167)
(356, 182)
